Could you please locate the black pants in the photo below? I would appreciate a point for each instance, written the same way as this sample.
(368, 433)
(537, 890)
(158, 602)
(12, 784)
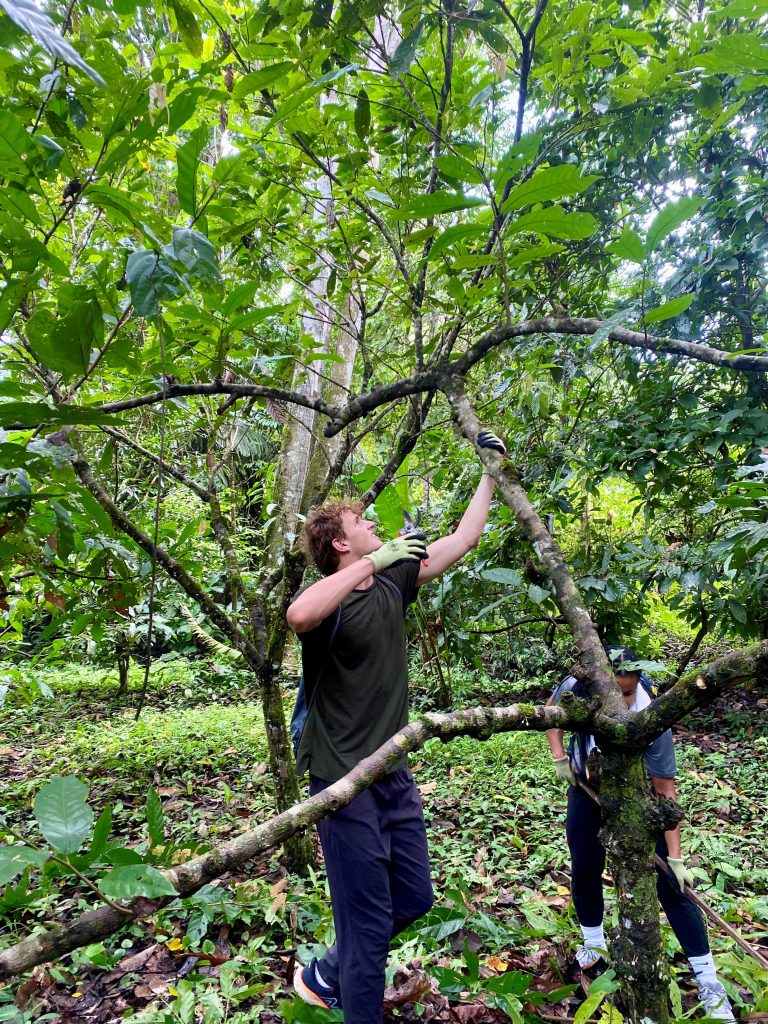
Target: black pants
(588, 861)
(375, 853)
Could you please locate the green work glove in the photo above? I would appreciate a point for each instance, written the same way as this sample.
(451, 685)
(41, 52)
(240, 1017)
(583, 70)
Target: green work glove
(487, 439)
(410, 548)
(680, 871)
(564, 770)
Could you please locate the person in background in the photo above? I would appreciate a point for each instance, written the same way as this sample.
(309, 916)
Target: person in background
(583, 823)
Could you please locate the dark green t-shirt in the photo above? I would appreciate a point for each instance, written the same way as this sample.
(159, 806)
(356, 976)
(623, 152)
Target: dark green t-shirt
(362, 698)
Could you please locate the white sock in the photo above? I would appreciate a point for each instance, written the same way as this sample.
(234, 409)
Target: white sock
(319, 978)
(594, 938)
(703, 968)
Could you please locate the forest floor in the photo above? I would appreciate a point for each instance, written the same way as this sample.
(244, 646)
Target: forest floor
(493, 948)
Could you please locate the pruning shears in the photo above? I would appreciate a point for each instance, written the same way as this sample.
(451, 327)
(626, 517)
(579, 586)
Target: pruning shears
(411, 525)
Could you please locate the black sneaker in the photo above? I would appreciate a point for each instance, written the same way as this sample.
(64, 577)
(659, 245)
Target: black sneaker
(586, 965)
(311, 991)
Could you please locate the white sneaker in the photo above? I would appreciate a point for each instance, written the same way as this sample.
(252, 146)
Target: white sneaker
(715, 1001)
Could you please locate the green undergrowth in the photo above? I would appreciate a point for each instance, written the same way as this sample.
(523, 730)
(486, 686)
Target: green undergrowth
(495, 815)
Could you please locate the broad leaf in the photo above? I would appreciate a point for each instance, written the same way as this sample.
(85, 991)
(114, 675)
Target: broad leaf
(510, 577)
(390, 511)
(261, 79)
(455, 234)
(188, 162)
(125, 882)
(197, 255)
(405, 54)
(669, 218)
(155, 819)
(554, 222)
(28, 16)
(362, 115)
(628, 246)
(15, 859)
(437, 203)
(548, 184)
(457, 167)
(151, 280)
(736, 53)
(669, 309)
(64, 817)
(14, 145)
(33, 414)
(188, 27)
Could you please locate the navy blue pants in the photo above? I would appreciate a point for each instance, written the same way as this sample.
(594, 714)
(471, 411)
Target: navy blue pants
(588, 861)
(375, 852)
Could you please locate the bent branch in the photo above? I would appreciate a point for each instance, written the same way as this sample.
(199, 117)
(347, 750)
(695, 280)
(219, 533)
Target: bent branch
(482, 723)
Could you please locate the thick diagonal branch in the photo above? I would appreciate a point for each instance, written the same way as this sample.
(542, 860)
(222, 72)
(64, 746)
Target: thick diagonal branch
(592, 659)
(187, 878)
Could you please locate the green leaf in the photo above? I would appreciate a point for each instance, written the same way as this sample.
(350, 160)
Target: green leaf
(588, 1007)
(628, 246)
(362, 115)
(197, 254)
(669, 309)
(738, 611)
(510, 577)
(735, 53)
(101, 832)
(556, 223)
(242, 323)
(187, 163)
(389, 511)
(28, 16)
(669, 218)
(261, 79)
(188, 27)
(405, 54)
(537, 594)
(64, 817)
(155, 819)
(453, 234)
(15, 859)
(14, 145)
(151, 279)
(33, 414)
(548, 184)
(438, 202)
(123, 883)
(531, 253)
(297, 99)
(453, 166)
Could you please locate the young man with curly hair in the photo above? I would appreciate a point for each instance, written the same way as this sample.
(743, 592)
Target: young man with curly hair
(352, 633)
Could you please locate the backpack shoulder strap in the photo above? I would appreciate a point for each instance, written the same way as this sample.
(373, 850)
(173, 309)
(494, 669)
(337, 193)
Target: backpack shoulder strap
(323, 663)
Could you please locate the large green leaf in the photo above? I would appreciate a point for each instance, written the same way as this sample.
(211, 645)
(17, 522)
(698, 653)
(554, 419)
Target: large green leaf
(454, 166)
(14, 145)
(390, 511)
(362, 115)
(628, 246)
(297, 99)
(261, 79)
(187, 164)
(123, 883)
(33, 414)
(27, 15)
(669, 218)
(669, 309)
(196, 253)
(453, 234)
(155, 819)
(736, 53)
(151, 279)
(554, 222)
(188, 27)
(14, 860)
(64, 817)
(548, 184)
(405, 54)
(437, 203)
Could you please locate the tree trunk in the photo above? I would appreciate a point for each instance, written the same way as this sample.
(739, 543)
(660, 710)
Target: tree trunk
(631, 822)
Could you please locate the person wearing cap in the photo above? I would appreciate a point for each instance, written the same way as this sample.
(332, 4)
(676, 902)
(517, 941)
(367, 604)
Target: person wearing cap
(353, 645)
(580, 764)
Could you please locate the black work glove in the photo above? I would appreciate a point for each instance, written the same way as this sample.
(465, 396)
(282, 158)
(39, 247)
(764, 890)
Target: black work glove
(487, 439)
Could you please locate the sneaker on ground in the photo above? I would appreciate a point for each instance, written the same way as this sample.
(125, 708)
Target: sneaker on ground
(587, 962)
(306, 986)
(715, 1001)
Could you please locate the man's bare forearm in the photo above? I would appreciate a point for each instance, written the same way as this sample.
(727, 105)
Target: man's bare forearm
(318, 601)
